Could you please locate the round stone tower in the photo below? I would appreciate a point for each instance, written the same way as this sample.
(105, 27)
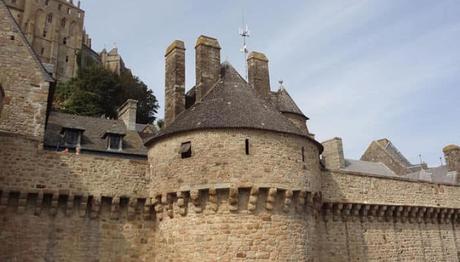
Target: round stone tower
(232, 178)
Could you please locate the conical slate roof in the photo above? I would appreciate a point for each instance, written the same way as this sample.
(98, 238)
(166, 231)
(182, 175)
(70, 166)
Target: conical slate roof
(231, 103)
(286, 104)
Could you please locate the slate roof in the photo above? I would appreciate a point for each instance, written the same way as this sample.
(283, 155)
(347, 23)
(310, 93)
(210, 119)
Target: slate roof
(285, 103)
(374, 168)
(94, 130)
(436, 175)
(231, 103)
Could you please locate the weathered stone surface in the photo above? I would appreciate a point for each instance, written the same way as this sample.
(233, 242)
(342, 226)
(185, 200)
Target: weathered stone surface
(55, 31)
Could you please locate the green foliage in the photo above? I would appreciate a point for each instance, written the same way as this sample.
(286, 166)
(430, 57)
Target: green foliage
(160, 123)
(97, 91)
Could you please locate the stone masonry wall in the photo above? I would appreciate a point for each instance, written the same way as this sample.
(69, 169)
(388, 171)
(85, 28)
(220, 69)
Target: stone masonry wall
(64, 236)
(218, 157)
(222, 204)
(381, 240)
(237, 224)
(67, 207)
(376, 153)
(25, 166)
(22, 79)
(346, 187)
(371, 218)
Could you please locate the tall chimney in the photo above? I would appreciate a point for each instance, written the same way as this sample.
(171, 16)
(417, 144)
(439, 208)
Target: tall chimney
(174, 81)
(452, 155)
(127, 112)
(333, 154)
(207, 51)
(258, 73)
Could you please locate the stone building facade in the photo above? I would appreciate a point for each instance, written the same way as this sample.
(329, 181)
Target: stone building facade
(54, 28)
(234, 176)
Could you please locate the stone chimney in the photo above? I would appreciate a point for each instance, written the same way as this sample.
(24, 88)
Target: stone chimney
(452, 155)
(207, 51)
(174, 81)
(333, 154)
(127, 112)
(258, 73)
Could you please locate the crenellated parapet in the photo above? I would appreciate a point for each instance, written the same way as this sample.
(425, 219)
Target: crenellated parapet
(389, 213)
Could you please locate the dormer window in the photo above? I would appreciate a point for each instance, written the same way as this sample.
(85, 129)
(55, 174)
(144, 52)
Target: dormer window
(72, 137)
(114, 142)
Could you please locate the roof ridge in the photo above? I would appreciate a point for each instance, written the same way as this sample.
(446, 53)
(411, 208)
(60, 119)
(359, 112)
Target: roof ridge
(34, 55)
(89, 117)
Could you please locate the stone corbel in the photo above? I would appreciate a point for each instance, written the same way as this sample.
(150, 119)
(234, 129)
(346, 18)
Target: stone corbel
(147, 214)
(253, 195)
(115, 208)
(233, 199)
(132, 203)
(300, 207)
(195, 197)
(95, 207)
(181, 203)
(287, 200)
(4, 201)
(327, 211)
(213, 199)
(390, 213)
(83, 206)
(22, 203)
(271, 198)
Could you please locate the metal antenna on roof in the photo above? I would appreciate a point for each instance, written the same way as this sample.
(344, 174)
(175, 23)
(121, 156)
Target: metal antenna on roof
(244, 33)
(440, 160)
(420, 157)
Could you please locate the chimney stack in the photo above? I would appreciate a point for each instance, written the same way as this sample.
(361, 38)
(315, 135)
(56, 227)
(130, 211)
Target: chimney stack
(258, 73)
(452, 155)
(333, 154)
(207, 51)
(127, 112)
(174, 81)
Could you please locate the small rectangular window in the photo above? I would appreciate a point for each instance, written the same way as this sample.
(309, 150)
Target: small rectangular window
(72, 138)
(246, 142)
(42, 51)
(12, 37)
(115, 142)
(186, 150)
(303, 154)
(67, 59)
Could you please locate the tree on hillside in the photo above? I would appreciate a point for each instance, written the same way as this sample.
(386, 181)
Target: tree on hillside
(97, 91)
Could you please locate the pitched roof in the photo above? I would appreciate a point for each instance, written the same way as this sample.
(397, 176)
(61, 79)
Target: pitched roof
(375, 168)
(94, 130)
(438, 174)
(17, 29)
(231, 103)
(285, 103)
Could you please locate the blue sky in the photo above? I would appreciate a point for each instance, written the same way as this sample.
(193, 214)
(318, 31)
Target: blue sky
(361, 70)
